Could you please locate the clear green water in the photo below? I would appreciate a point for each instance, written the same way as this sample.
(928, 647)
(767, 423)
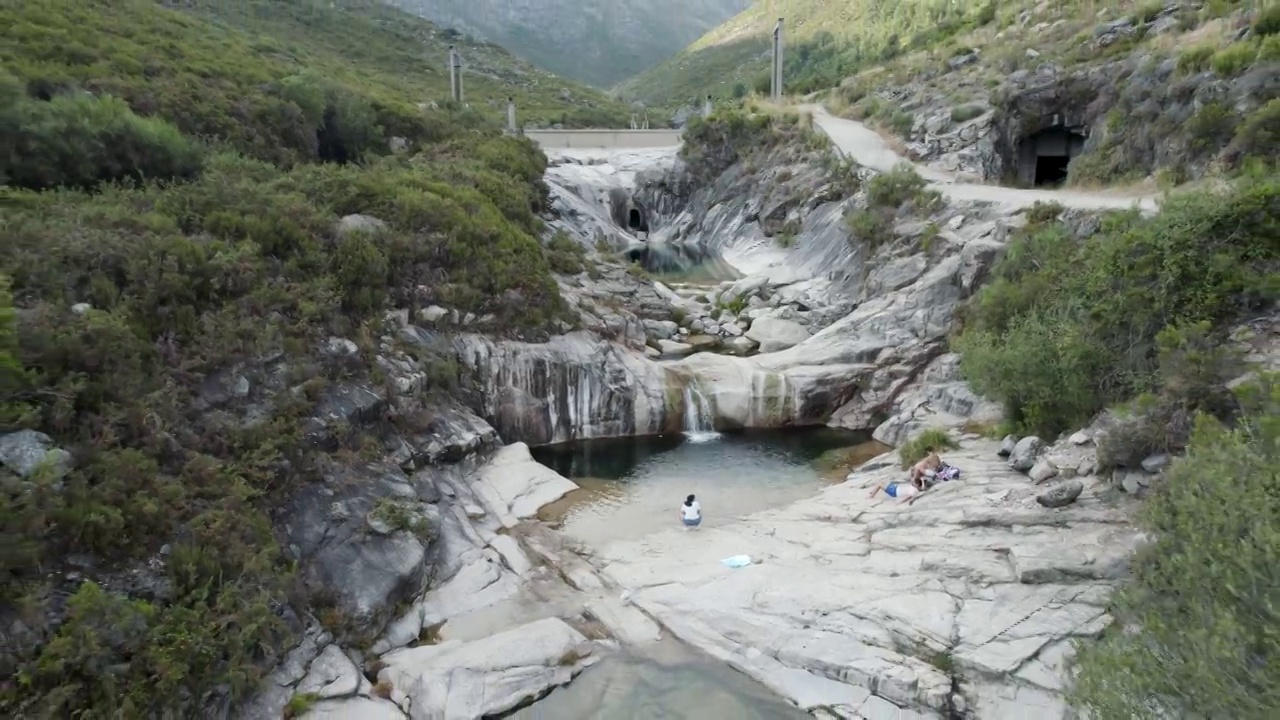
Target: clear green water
(634, 486)
(666, 682)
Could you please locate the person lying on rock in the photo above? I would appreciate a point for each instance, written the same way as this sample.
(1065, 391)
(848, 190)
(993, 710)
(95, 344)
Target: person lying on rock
(909, 491)
(691, 513)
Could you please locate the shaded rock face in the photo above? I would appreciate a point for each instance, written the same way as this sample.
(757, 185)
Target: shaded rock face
(572, 388)
(366, 567)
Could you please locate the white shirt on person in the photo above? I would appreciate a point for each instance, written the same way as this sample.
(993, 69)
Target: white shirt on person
(691, 512)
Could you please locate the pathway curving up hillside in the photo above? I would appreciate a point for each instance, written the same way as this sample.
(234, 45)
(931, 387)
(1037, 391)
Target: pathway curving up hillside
(866, 147)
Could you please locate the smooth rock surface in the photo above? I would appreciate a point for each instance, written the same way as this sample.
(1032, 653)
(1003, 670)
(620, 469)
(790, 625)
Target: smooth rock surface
(356, 708)
(514, 486)
(852, 597)
(463, 681)
(775, 334)
(331, 675)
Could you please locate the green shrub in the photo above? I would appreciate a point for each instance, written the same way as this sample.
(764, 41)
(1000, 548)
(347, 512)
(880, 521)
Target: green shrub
(299, 704)
(915, 449)
(1148, 11)
(1068, 328)
(1196, 58)
(965, 113)
(1257, 137)
(1211, 126)
(1195, 622)
(895, 188)
(1267, 22)
(81, 141)
(901, 123)
(564, 255)
(1234, 59)
(1194, 369)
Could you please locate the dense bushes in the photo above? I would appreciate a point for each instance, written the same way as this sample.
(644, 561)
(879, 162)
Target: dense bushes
(81, 140)
(184, 279)
(121, 296)
(888, 195)
(1067, 328)
(1196, 633)
(710, 145)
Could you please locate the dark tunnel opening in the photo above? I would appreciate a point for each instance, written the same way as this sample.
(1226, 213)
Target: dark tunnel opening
(636, 221)
(1051, 170)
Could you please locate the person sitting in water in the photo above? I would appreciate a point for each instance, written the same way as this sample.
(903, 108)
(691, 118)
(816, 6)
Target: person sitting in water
(691, 513)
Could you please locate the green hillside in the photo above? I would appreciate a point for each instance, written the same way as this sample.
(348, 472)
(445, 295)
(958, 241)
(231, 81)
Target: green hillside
(171, 189)
(825, 41)
(183, 62)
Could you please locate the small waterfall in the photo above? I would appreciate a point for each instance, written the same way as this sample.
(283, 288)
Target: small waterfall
(699, 425)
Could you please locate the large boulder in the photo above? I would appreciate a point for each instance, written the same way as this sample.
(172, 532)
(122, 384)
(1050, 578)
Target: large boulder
(26, 451)
(775, 334)
(463, 680)
(1025, 453)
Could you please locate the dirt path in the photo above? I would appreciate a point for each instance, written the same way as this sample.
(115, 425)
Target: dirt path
(867, 147)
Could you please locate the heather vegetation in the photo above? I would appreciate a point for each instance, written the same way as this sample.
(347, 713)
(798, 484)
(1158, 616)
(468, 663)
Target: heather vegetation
(173, 191)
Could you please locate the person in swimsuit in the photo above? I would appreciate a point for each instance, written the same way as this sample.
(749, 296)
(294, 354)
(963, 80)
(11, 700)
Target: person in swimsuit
(691, 513)
(908, 491)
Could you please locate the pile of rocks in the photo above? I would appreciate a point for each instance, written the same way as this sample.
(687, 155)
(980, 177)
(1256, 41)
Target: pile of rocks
(742, 317)
(1058, 466)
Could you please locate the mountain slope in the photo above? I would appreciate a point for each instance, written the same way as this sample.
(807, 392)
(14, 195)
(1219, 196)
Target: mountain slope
(600, 43)
(824, 41)
(252, 42)
(206, 215)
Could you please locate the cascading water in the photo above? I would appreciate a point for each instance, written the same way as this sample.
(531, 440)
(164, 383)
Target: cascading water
(699, 425)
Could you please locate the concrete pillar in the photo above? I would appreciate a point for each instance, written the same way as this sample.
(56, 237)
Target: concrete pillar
(511, 115)
(455, 74)
(706, 107)
(775, 82)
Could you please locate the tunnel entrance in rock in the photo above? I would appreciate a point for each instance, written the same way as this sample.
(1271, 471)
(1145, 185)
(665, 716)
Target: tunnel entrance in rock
(1051, 170)
(1044, 156)
(636, 221)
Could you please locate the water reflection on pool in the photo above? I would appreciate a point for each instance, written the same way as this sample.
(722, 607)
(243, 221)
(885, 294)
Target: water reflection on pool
(634, 486)
(665, 681)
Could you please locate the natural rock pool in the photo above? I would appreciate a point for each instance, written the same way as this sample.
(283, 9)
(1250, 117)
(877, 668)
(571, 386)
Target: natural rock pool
(664, 681)
(634, 486)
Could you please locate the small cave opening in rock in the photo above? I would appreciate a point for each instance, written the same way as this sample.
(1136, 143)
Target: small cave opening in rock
(636, 222)
(1044, 156)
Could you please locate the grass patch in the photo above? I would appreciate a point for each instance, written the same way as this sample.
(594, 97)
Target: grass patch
(299, 705)
(917, 448)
